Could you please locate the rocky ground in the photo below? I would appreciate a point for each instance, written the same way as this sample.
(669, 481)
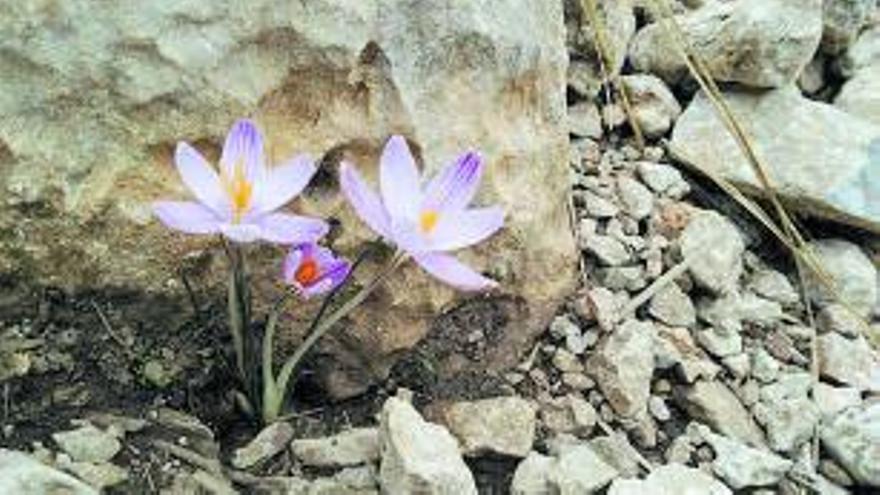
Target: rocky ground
(693, 358)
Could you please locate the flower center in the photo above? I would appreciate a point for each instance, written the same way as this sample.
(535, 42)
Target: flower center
(307, 272)
(240, 191)
(428, 221)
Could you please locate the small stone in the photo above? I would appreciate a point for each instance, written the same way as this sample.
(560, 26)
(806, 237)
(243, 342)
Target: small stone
(272, 440)
(788, 424)
(673, 307)
(714, 247)
(789, 386)
(732, 310)
(781, 346)
(680, 450)
(569, 414)
(21, 474)
(598, 207)
(502, 425)
(101, 476)
(671, 479)
(623, 365)
(853, 440)
(609, 251)
(637, 200)
(739, 365)
(158, 374)
(88, 444)
(742, 466)
(604, 306)
(834, 472)
(658, 408)
(418, 456)
(774, 286)
(720, 343)
(713, 403)
(532, 476)
(578, 381)
(579, 470)
(663, 179)
(618, 453)
(848, 361)
(765, 368)
(654, 106)
(584, 120)
(831, 400)
(349, 448)
(565, 361)
(853, 274)
(838, 318)
(562, 327)
(631, 278)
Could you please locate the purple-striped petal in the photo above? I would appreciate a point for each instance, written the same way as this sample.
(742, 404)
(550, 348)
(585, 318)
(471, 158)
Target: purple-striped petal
(466, 228)
(241, 232)
(186, 216)
(283, 228)
(200, 177)
(244, 146)
(365, 202)
(399, 179)
(456, 185)
(285, 182)
(453, 272)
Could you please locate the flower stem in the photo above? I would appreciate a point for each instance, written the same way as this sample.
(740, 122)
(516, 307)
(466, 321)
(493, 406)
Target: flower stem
(321, 327)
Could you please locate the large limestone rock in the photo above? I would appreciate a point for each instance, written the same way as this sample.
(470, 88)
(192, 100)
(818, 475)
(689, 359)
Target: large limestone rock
(797, 140)
(742, 41)
(92, 102)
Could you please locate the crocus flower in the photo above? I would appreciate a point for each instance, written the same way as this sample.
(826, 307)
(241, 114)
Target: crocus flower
(426, 220)
(313, 270)
(241, 200)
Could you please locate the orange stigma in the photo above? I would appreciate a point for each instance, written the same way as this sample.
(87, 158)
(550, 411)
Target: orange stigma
(307, 272)
(428, 221)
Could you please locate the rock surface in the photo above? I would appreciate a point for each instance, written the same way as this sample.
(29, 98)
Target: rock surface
(671, 479)
(503, 425)
(270, 441)
(742, 466)
(350, 448)
(714, 247)
(88, 444)
(418, 456)
(156, 74)
(776, 121)
(740, 42)
(22, 475)
(852, 273)
(623, 366)
(853, 438)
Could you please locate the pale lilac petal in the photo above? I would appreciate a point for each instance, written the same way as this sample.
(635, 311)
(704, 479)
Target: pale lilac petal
(241, 232)
(244, 145)
(453, 272)
(200, 177)
(285, 182)
(406, 235)
(399, 179)
(291, 263)
(466, 228)
(456, 185)
(185, 216)
(283, 228)
(365, 202)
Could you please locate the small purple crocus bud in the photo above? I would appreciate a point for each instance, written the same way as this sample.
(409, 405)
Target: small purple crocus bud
(313, 270)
